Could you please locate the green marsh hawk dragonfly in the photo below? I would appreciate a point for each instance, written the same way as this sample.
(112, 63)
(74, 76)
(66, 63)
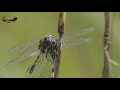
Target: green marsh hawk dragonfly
(46, 48)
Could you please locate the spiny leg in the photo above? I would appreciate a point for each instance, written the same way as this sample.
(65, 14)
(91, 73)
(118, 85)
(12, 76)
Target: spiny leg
(33, 66)
(53, 57)
(47, 55)
(30, 70)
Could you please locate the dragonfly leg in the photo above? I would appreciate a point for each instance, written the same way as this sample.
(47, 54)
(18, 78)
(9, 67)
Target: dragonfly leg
(47, 55)
(30, 70)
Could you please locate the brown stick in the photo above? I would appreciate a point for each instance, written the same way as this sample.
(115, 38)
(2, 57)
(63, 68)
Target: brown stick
(106, 68)
(61, 23)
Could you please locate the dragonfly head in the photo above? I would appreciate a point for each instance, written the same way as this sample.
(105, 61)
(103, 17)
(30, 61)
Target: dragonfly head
(48, 38)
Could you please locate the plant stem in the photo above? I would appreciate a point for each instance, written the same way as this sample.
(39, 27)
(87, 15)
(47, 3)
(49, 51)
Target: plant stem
(106, 68)
(61, 23)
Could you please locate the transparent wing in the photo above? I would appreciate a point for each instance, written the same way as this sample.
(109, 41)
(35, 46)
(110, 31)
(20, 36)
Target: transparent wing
(68, 36)
(75, 37)
(23, 57)
(42, 69)
(77, 41)
(47, 71)
(23, 47)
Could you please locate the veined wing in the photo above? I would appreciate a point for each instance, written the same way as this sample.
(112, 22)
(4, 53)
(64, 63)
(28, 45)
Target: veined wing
(68, 36)
(25, 46)
(42, 69)
(77, 41)
(75, 38)
(23, 57)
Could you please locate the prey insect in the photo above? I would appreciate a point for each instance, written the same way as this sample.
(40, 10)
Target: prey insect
(43, 66)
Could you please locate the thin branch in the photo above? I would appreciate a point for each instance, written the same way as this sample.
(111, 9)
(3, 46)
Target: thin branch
(106, 68)
(61, 23)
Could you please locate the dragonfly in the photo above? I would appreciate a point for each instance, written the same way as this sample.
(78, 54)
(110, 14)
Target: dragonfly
(46, 48)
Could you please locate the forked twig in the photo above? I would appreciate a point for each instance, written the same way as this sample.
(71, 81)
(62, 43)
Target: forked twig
(106, 68)
(61, 23)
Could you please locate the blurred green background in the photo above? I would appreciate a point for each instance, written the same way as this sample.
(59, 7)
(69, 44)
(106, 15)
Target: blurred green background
(81, 61)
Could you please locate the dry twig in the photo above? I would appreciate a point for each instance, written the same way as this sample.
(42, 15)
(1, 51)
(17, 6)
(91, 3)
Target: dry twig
(106, 68)
(61, 23)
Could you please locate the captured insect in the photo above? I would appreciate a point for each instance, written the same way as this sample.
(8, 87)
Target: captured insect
(9, 19)
(46, 48)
